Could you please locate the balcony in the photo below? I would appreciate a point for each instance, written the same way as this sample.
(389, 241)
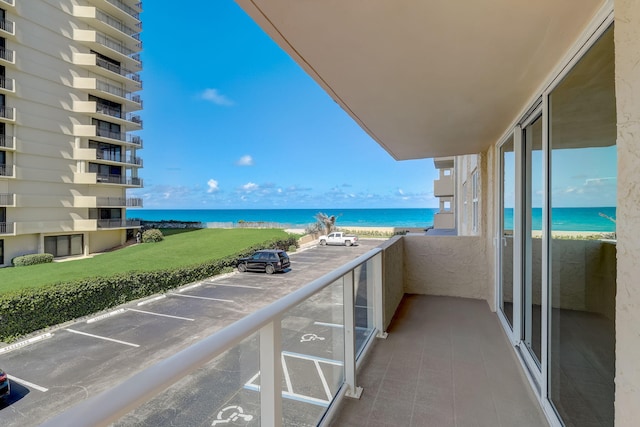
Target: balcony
(120, 71)
(7, 142)
(8, 3)
(131, 202)
(7, 228)
(443, 187)
(7, 171)
(446, 360)
(7, 84)
(117, 223)
(7, 55)
(132, 11)
(117, 158)
(7, 199)
(7, 27)
(119, 179)
(109, 136)
(131, 120)
(7, 114)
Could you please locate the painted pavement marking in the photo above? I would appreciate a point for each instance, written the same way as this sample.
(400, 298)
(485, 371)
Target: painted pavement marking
(197, 297)
(289, 393)
(233, 286)
(28, 384)
(102, 338)
(160, 314)
(25, 342)
(105, 316)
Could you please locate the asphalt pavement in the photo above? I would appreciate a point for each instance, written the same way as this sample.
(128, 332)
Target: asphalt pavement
(80, 359)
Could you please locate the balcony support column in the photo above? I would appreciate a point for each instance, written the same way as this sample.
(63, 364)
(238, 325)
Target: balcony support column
(378, 295)
(271, 373)
(349, 336)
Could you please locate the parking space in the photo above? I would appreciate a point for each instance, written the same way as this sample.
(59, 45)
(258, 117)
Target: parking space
(87, 357)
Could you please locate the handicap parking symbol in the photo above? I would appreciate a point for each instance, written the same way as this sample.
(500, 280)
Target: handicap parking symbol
(231, 413)
(311, 337)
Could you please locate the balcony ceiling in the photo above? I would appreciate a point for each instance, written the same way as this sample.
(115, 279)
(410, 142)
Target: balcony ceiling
(427, 78)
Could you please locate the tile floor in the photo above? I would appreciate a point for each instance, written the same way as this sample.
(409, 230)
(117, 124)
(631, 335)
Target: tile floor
(446, 362)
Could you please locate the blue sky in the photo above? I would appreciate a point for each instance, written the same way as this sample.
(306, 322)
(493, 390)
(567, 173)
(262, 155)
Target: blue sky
(231, 122)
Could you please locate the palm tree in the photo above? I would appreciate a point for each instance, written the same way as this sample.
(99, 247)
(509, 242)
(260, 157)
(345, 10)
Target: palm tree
(326, 222)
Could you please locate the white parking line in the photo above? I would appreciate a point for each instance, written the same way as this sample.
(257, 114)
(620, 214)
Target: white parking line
(102, 338)
(194, 296)
(28, 384)
(160, 314)
(233, 286)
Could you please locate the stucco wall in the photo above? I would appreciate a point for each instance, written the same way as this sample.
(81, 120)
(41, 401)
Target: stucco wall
(393, 276)
(447, 265)
(627, 46)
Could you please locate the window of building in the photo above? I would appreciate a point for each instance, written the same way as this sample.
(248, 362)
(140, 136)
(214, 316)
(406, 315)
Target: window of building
(106, 151)
(60, 246)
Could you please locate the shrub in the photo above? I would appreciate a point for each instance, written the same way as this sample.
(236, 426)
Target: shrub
(32, 309)
(32, 259)
(292, 248)
(152, 235)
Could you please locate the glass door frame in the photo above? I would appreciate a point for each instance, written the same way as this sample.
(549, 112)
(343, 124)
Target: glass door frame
(538, 377)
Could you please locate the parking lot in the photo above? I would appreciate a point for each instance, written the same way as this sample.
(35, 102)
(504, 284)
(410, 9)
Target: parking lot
(83, 358)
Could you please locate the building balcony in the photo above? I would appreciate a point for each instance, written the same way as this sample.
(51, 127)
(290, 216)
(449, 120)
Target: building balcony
(445, 220)
(7, 199)
(118, 223)
(7, 114)
(127, 12)
(130, 121)
(7, 171)
(7, 142)
(108, 24)
(106, 202)
(118, 159)
(109, 46)
(7, 228)
(7, 84)
(119, 180)
(106, 135)
(443, 187)
(7, 28)
(116, 93)
(7, 56)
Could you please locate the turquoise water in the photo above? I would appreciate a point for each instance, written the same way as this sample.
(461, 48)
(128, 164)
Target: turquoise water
(564, 219)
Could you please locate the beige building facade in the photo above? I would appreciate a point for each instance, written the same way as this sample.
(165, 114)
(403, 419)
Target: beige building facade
(516, 94)
(69, 103)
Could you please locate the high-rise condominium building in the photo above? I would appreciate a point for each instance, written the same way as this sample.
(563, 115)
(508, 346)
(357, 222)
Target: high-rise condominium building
(68, 106)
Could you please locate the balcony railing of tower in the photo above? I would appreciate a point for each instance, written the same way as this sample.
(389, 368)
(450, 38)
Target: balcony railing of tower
(6, 25)
(118, 69)
(113, 44)
(118, 223)
(7, 199)
(114, 23)
(6, 141)
(119, 179)
(6, 83)
(6, 227)
(136, 58)
(134, 118)
(6, 112)
(112, 89)
(360, 279)
(126, 8)
(6, 54)
(119, 201)
(135, 98)
(116, 157)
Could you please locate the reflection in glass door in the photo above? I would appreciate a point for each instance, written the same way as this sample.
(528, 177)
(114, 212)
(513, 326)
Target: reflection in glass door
(532, 238)
(506, 244)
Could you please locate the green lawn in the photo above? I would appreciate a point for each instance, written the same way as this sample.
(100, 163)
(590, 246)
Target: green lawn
(175, 250)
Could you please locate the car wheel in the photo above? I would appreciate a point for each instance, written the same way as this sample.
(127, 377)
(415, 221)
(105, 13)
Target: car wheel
(323, 242)
(242, 268)
(347, 243)
(269, 269)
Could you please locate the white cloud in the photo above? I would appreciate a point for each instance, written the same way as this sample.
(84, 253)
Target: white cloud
(400, 191)
(249, 187)
(245, 161)
(216, 97)
(213, 186)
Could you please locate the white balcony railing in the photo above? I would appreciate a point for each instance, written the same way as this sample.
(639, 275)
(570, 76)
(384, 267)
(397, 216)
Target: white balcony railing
(118, 223)
(335, 293)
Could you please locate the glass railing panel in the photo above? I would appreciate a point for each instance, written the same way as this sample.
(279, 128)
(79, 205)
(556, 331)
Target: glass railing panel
(363, 289)
(312, 355)
(214, 395)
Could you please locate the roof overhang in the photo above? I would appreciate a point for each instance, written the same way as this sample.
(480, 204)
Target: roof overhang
(427, 79)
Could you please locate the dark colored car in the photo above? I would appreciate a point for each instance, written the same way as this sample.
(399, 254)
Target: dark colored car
(5, 389)
(267, 260)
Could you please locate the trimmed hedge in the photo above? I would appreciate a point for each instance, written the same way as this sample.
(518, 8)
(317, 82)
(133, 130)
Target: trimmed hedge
(32, 259)
(33, 309)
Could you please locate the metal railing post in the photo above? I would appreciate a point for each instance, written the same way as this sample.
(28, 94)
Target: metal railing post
(271, 373)
(350, 337)
(378, 293)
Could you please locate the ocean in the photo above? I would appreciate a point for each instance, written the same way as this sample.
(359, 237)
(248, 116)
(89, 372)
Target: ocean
(564, 219)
